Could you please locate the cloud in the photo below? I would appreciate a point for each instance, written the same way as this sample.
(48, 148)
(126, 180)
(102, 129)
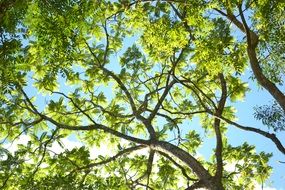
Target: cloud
(12, 147)
(103, 150)
(67, 143)
(259, 187)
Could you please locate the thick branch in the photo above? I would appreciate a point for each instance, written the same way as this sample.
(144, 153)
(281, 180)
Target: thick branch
(265, 82)
(185, 157)
(196, 185)
(230, 16)
(183, 170)
(217, 122)
(252, 42)
(149, 166)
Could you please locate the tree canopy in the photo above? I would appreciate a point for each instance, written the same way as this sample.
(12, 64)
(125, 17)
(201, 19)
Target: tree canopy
(133, 75)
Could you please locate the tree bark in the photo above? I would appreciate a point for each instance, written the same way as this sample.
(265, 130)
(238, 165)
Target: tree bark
(252, 42)
(263, 81)
(205, 177)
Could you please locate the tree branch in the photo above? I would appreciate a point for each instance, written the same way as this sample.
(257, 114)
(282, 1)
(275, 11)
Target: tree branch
(31, 177)
(252, 42)
(270, 136)
(185, 157)
(149, 166)
(161, 99)
(217, 122)
(183, 170)
(196, 185)
(132, 102)
(94, 126)
(113, 158)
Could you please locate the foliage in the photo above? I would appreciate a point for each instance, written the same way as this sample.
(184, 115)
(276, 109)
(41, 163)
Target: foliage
(271, 115)
(133, 76)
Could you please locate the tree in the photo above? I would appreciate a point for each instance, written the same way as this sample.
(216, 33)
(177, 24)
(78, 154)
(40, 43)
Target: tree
(131, 74)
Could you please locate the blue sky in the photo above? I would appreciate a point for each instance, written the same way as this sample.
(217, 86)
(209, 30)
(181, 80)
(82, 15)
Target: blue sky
(236, 136)
(245, 114)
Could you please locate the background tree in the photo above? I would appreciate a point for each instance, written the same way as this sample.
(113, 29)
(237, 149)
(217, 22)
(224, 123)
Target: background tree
(131, 74)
